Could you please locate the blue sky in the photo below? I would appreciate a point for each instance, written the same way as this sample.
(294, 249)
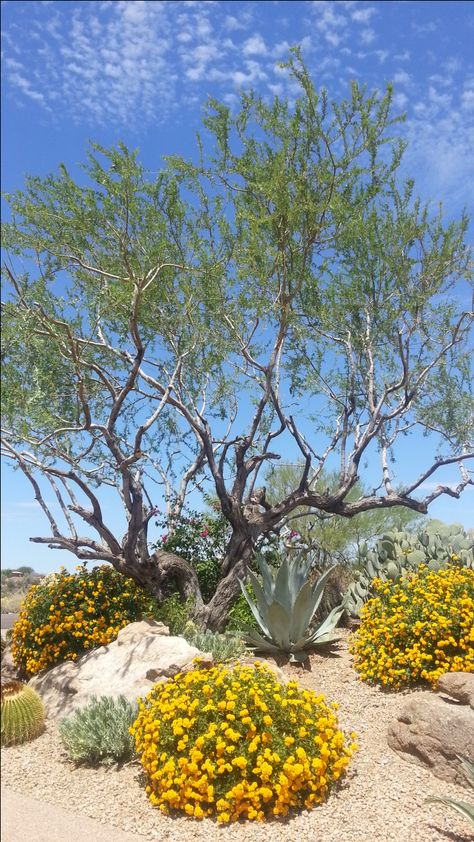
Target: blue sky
(140, 71)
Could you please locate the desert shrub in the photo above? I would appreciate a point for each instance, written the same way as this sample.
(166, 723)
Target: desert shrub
(415, 630)
(223, 647)
(237, 744)
(200, 538)
(240, 615)
(100, 732)
(174, 613)
(69, 613)
(11, 602)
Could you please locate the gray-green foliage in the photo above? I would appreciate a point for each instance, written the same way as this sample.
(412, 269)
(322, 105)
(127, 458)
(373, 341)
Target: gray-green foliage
(99, 732)
(465, 808)
(397, 552)
(223, 647)
(285, 606)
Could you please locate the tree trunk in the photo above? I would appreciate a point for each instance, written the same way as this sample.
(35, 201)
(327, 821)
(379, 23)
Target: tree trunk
(215, 614)
(160, 567)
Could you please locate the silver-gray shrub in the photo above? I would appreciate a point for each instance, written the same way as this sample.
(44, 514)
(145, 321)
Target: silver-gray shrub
(224, 647)
(99, 732)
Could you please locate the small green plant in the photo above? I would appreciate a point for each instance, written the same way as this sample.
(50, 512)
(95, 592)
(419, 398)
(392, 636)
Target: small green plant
(463, 807)
(224, 647)
(285, 607)
(99, 733)
(22, 713)
(240, 615)
(174, 613)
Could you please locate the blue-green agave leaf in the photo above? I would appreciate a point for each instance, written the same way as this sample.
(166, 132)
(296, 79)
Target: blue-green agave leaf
(262, 602)
(279, 625)
(301, 612)
(267, 578)
(466, 810)
(254, 609)
(256, 641)
(282, 590)
(318, 589)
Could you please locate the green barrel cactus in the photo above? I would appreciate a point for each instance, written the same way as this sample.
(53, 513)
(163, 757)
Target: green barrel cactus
(22, 713)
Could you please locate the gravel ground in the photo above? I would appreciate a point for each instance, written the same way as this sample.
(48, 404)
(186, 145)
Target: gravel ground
(380, 800)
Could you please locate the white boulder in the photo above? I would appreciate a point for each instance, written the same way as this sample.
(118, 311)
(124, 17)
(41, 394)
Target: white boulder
(143, 654)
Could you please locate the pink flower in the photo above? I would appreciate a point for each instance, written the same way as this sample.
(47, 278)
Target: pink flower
(164, 538)
(294, 534)
(205, 532)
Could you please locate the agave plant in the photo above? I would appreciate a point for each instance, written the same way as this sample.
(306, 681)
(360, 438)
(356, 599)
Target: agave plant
(463, 807)
(285, 606)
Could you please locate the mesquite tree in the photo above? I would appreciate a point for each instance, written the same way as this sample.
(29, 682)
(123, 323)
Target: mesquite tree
(282, 294)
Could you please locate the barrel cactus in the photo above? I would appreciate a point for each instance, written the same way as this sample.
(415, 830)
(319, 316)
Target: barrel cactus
(22, 713)
(398, 552)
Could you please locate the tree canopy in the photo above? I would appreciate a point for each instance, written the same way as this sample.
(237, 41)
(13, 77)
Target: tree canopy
(285, 293)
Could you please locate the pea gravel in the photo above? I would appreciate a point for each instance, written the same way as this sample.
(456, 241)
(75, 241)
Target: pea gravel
(380, 800)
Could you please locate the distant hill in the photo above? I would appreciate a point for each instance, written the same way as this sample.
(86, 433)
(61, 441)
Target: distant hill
(14, 584)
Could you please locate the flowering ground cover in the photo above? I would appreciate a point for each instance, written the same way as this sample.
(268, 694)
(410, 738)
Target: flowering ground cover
(417, 629)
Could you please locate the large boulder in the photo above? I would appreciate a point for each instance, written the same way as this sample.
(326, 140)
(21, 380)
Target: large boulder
(458, 685)
(142, 655)
(435, 731)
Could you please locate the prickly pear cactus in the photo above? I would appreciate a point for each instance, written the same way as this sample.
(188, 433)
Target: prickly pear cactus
(395, 553)
(22, 713)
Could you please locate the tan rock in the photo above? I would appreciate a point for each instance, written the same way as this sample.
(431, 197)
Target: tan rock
(434, 732)
(458, 685)
(143, 654)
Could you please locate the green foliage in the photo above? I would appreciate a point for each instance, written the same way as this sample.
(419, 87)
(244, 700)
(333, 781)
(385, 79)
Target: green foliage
(174, 613)
(335, 538)
(67, 614)
(465, 809)
(288, 268)
(395, 553)
(224, 647)
(201, 539)
(100, 732)
(285, 607)
(240, 615)
(22, 713)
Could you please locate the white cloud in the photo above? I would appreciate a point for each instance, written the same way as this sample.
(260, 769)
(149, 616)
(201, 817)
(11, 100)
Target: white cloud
(467, 97)
(438, 98)
(425, 28)
(363, 15)
(367, 36)
(254, 46)
(330, 22)
(400, 100)
(402, 78)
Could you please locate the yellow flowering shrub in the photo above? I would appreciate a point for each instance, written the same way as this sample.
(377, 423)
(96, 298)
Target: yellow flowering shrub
(235, 743)
(67, 614)
(415, 630)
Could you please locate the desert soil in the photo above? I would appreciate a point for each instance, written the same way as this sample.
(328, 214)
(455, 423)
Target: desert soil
(380, 800)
